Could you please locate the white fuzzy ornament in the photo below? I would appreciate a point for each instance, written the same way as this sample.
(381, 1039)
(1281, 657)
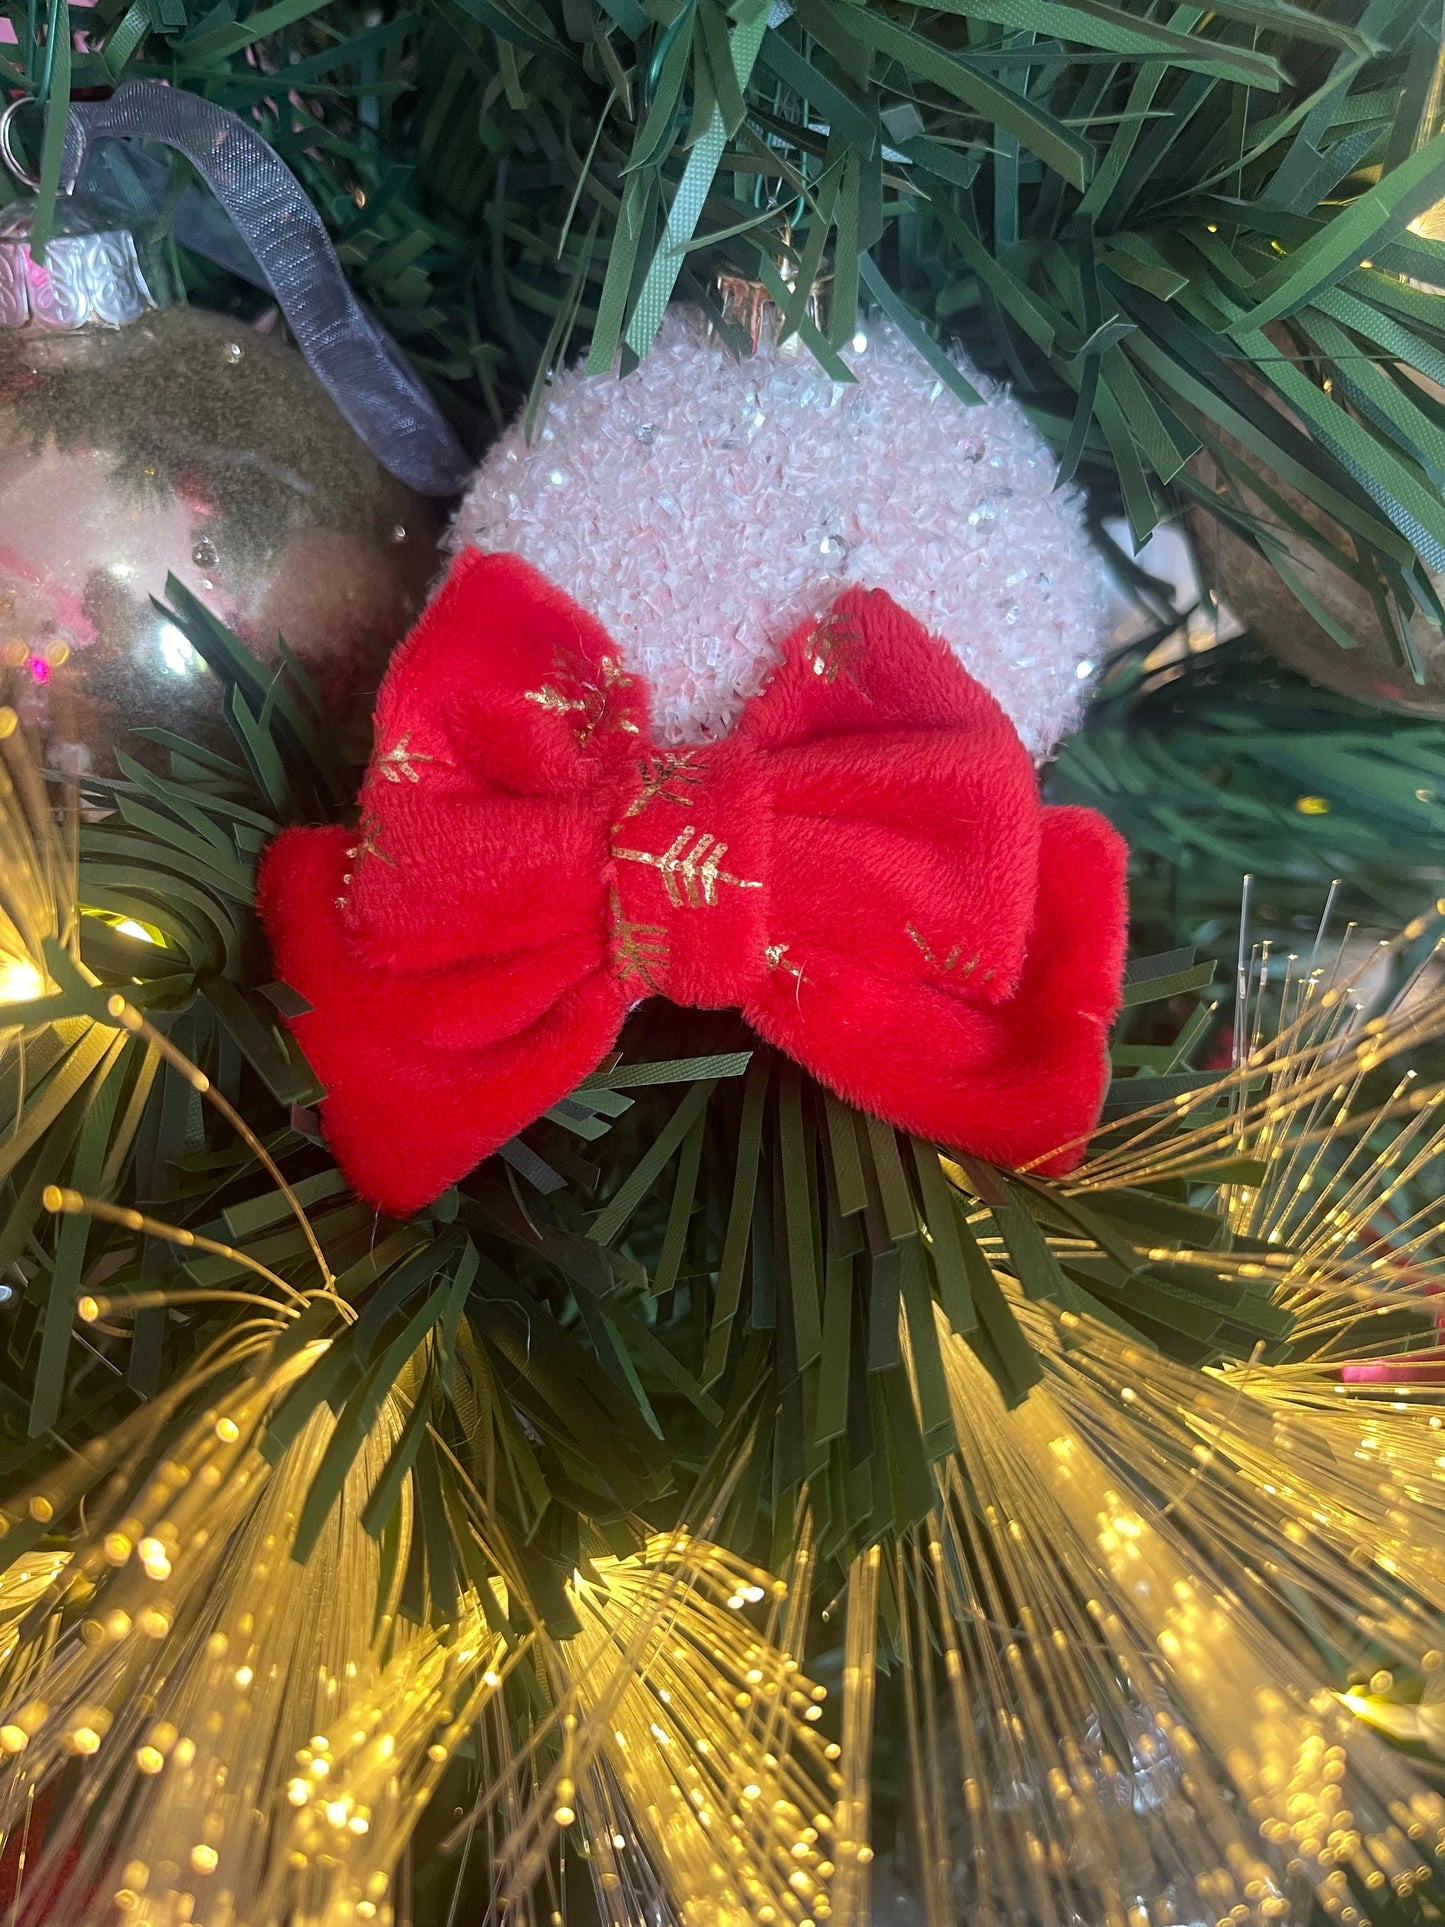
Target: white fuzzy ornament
(705, 506)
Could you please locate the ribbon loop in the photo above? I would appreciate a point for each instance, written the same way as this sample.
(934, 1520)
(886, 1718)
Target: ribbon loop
(354, 358)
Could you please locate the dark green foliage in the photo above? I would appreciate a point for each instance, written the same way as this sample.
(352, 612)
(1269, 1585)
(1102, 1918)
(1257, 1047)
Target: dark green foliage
(1228, 764)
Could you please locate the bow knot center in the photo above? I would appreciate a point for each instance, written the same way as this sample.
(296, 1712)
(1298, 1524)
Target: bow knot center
(688, 890)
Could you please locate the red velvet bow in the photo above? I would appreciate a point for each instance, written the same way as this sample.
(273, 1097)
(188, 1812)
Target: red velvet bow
(862, 867)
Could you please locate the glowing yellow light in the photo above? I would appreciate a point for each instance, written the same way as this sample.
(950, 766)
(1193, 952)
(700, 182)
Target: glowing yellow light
(1312, 805)
(204, 1859)
(13, 1739)
(149, 1759)
(20, 981)
(564, 1816)
(128, 927)
(85, 1739)
(153, 1557)
(227, 1431)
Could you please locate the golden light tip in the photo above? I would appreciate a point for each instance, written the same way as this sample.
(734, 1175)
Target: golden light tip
(9, 721)
(88, 1310)
(128, 927)
(20, 981)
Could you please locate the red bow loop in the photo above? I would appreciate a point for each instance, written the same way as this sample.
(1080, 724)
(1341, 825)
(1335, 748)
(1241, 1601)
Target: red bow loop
(863, 868)
(500, 748)
(907, 811)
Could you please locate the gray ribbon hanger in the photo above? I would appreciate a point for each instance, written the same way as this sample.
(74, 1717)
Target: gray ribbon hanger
(353, 357)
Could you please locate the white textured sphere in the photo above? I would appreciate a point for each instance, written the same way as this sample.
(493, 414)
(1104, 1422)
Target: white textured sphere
(705, 506)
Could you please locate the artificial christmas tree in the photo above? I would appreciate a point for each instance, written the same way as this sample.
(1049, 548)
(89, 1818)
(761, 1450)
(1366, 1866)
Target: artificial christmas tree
(1106, 1507)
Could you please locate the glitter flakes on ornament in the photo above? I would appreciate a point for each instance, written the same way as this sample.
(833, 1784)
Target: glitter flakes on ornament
(704, 506)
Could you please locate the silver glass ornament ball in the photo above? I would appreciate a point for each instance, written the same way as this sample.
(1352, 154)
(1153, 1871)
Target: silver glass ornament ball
(138, 442)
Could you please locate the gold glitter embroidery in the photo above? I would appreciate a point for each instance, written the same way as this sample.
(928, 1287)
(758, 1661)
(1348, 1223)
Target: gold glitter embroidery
(776, 958)
(834, 648)
(370, 827)
(660, 773)
(945, 964)
(641, 948)
(550, 698)
(592, 702)
(400, 761)
(690, 875)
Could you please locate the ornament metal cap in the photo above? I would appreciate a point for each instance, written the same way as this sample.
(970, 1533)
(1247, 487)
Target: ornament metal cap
(89, 278)
(749, 304)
